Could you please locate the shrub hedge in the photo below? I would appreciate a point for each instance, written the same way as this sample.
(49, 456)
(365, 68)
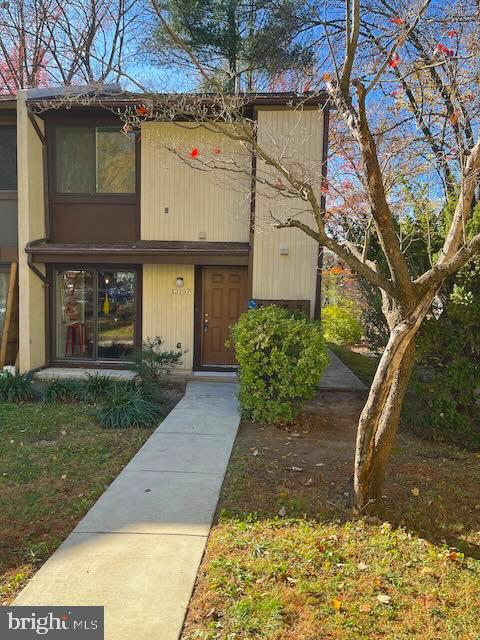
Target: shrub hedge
(282, 357)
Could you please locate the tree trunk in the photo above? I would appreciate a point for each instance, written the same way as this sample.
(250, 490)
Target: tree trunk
(379, 420)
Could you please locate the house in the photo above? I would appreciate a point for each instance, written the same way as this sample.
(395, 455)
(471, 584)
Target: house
(120, 239)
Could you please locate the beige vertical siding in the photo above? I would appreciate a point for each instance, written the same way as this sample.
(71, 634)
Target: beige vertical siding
(296, 137)
(211, 202)
(31, 226)
(168, 314)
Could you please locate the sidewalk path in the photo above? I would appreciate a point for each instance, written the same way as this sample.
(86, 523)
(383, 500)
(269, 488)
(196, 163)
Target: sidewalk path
(338, 377)
(138, 549)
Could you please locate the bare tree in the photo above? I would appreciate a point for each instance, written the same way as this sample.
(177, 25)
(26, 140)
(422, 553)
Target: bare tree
(64, 42)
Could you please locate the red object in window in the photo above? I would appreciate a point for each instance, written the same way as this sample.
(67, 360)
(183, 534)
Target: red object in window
(394, 61)
(194, 152)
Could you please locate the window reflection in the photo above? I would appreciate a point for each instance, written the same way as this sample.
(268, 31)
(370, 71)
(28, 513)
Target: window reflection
(116, 314)
(74, 310)
(95, 314)
(94, 160)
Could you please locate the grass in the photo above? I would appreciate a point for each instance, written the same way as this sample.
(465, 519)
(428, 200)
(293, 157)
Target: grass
(286, 560)
(55, 461)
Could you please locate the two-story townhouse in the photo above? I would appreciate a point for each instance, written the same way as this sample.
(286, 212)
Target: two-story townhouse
(120, 240)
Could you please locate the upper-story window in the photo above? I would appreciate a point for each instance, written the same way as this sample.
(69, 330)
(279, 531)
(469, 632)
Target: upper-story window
(8, 158)
(93, 160)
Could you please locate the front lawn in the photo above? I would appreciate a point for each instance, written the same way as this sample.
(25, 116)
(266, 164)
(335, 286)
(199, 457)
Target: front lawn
(55, 461)
(287, 561)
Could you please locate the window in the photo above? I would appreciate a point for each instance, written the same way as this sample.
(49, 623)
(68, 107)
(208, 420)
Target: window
(8, 158)
(95, 314)
(93, 160)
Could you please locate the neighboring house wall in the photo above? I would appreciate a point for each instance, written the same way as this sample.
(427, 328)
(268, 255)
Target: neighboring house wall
(202, 204)
(297, 138)
(167, 311)
(31, 226)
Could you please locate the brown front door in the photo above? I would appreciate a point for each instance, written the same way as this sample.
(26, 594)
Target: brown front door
(224, 298)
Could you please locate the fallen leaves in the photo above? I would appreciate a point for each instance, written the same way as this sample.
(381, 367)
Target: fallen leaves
(336, 604)
(383, 598)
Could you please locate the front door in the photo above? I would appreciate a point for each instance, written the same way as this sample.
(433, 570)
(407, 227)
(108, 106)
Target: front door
(224, 298)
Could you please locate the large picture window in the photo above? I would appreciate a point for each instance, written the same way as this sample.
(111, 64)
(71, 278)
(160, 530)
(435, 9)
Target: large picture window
(93, 160)
(8, 158)
(95, 314)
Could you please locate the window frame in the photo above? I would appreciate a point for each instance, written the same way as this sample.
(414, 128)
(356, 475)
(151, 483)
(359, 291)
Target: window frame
(93, 361)
(92, 121)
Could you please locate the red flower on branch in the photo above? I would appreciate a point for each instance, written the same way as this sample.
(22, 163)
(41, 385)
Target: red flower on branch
(441, 49)
(394, 61)
(217, 151)
(194, 153)
(453, 33)
(142, 110)
(397, 21)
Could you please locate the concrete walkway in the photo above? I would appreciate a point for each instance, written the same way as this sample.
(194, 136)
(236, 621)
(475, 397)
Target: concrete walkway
(338, 377)
(137, 551)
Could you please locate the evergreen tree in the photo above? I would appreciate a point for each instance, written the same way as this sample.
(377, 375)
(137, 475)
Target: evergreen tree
(245, 43)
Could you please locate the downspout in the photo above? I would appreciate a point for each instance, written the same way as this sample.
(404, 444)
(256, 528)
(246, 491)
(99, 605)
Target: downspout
(36, 271)
(46, 284)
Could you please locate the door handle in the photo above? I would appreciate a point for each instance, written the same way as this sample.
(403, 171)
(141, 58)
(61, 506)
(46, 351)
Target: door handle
(205, 323)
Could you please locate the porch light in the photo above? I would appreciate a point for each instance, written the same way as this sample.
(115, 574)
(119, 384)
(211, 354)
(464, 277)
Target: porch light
(179, 282)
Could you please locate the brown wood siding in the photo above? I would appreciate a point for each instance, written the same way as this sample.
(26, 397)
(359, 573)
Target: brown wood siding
(113, 222)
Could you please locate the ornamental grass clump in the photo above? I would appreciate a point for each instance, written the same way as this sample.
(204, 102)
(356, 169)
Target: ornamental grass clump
(282, 357)
(58, 390)
(96, 387)
(15, 387)
(127, 406)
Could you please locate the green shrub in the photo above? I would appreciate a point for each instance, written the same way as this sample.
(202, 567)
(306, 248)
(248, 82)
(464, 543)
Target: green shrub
(95, 387)
(340, 325)
(127, 406)
(281, 360)
(151, 362)
(15, 388)
(58, 390)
